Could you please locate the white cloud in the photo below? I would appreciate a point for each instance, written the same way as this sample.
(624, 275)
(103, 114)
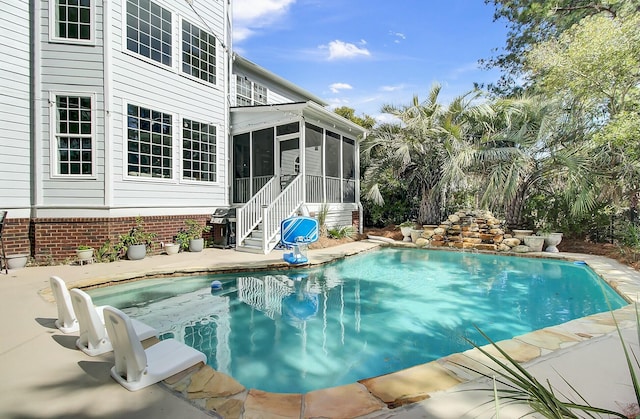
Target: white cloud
(464, 69)
(398, 35)
(336, 87)
(251, 14)
(339, 49)
(392, 88)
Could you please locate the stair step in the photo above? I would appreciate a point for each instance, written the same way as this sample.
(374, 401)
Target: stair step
(253, 242)
(249, 249)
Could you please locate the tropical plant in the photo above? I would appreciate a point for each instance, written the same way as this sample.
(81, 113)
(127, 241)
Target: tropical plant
(414, 151)
(194, 230)
(341, 232)
(136, 236)
(525, 144)
(322, 219)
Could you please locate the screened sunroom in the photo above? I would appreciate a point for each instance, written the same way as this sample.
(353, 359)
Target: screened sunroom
(283, 141)
(287, 155)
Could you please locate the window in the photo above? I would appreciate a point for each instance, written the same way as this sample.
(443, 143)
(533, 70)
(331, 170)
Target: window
(149, 30)
(259, 94)
(198, 151)
(198, 53)
(249, 93)
(73, 20)
(149, 144)
(74, 135)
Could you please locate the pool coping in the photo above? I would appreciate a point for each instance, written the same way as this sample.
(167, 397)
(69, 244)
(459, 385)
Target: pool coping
(220, 394)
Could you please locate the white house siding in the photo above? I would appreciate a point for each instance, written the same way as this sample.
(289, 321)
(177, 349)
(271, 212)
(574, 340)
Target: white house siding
(15, 160)
(142, 83)
(73, 69)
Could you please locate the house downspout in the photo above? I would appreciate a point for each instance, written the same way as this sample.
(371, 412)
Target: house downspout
(228, 59)
(360, 208)
(36, 108)
(107, 92)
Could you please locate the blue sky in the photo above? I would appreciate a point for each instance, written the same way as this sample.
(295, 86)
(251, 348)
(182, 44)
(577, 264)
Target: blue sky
(366, 53)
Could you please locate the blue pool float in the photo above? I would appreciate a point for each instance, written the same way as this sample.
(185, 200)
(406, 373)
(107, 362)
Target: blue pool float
(216, 285)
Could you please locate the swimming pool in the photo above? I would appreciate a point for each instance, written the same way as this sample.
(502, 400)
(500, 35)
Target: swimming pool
(379, 312)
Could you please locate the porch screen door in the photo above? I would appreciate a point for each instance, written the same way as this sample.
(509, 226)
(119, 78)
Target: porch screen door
(289, 156)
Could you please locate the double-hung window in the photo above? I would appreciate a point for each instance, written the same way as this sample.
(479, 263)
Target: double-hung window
(149, 30)
(198, 53)
(149, 143)
(74, 136)
(71, 20)
(198, 151)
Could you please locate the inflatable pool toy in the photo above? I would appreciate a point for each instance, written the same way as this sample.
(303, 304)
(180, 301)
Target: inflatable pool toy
(216, 285)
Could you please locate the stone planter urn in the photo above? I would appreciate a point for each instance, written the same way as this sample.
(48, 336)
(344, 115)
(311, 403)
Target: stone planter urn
(535, 243)
(196, 245)
(136, 251)
(84, 254)
(171, 248)
(406, 232)
(552, 240)
(521, 234)
(17, 261)
(416, 234)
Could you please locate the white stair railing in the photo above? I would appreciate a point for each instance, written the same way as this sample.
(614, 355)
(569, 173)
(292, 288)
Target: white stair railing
(250, 214)
(284, 206)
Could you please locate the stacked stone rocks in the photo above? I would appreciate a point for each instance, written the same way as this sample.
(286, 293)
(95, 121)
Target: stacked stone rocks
(475, 229)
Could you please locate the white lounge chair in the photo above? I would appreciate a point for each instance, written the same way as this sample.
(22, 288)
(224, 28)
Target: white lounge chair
(93, 338)
(135, 367)
(66, 322)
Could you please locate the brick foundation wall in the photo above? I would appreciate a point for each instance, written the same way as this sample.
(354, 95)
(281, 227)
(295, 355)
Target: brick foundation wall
(16, 236)
(50, 240)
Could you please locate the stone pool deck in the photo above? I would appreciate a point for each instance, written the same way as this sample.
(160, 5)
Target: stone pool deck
(44, 376)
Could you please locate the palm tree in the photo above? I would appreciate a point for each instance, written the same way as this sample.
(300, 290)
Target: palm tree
(415, 150)
(525, 144)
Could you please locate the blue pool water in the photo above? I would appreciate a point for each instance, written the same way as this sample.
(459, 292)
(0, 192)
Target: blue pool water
(367, 315)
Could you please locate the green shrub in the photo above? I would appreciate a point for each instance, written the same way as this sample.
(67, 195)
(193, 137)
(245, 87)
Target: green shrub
(341, 232)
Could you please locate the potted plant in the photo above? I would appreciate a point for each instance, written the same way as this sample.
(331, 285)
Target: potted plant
(191, 237)
(136, 242)
(171, 248)
(406, 228)
(84, 252)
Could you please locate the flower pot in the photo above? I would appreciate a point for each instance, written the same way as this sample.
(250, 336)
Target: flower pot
(406, 232)
(416, 234)
(84, 254)
(535, 243)
(521, 234)
(552, 240)
(17, 261)
(136, 251)
(196, 245)
(171, 248)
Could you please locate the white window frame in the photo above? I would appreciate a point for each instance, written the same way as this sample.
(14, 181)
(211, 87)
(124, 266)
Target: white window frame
(54, 134)
(175, 58)
(53, 25)
(125, 140)
(217, 47)
(253, 87)
(217, 154)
